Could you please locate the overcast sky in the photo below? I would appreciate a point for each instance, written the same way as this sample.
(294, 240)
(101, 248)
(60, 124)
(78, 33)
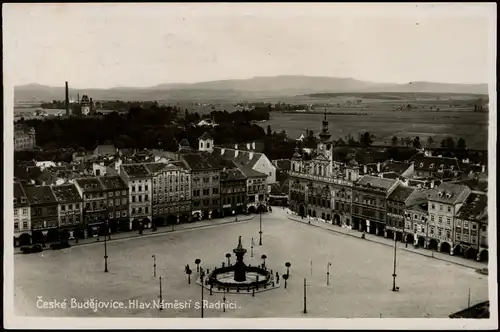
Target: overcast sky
(144, 45)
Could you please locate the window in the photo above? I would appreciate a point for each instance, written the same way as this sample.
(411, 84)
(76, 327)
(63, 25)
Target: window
(146, 209)
(140, 188)
(25, 211)
(146, 187)
(146, 198)
(466, 224)
(440, 232)
(16, 225)
(139, 198)
(16, 211)
(433, 206)
(124, 213)
(440, 219)
(77, 218)
(124, 192)
(448, 234)
(459, 222)
(110, 194)
(215, 191)
(449, 208)
(457, 237)
(124, 201)
(133, 188)
(63, 207)
(117, 214)
(133, 199)
(111, 215)
(441, 207)
(117, 201)
(110, 202)
(133, 210)
(448, 221)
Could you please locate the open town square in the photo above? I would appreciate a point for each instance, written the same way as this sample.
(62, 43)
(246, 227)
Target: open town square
(346, 276)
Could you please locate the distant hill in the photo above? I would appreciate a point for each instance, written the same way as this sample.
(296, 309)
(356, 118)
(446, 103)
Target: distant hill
(247, 89)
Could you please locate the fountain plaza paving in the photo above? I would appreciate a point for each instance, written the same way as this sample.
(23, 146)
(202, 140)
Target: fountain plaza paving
(359, 287)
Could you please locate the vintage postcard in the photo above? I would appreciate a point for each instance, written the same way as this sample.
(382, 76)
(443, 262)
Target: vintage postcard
(199, 165)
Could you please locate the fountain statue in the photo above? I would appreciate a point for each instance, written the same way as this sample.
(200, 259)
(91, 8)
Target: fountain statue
(239, 266)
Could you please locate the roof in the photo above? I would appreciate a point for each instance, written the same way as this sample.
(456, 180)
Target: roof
(40, 195)
(105, 150)
(397, 167)
(200, 161)
(259, 146)
(480, 310)
(251, 173)
(401, 193)
(433, 164)
(19, 193)
(184, 143)
(376, 182)
(474, 208)
(232, 175)
(89, 184)
(66, 192)
(113, 182)
(419, 207)
(449, 193)
(205, 136)
(136, 170)
(155, 167)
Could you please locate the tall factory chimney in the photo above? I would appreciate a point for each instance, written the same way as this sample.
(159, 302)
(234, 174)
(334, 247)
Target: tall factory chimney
(67, 99)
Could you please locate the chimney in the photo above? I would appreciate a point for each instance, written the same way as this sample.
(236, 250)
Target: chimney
(222, 151)
(378, 167)
(250, 155)
(253, 145)
(483, 168)
(78, 98)
(236, 146)
(365, 169)
(236, 153)
(67, 98)
(248, 146)
(432, 184)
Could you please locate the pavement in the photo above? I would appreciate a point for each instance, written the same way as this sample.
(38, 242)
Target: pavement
(315, 222)
(149, 232)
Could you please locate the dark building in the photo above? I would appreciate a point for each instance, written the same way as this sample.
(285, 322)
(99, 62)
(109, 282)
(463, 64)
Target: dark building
(396, 205)
(116, 191)
(44, 216)
(233, 189)
(205, 184)
(94, 204)
(369, 204)
(69, 209)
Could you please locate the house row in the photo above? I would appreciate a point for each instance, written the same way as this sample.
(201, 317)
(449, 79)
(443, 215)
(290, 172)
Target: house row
(442, 215)
(201, 184)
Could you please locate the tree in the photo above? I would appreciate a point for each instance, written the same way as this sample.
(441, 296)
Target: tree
(461, 143)
(430, 140)
(269, 131)
(197, 261)
(402, 141)
(408, 141)
(416, 143)
(188, 272)
(228, 256)
(448, 142)
(287, 264)
(394, 140)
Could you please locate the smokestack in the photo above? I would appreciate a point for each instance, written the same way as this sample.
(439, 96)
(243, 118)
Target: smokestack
(67, 99)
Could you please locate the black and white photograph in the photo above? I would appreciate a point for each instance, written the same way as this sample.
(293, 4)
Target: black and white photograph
(236, 165)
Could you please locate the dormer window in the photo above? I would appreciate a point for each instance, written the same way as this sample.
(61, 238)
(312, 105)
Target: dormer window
(421, 165)
(431, 165)
(15, 200)
(23, 200)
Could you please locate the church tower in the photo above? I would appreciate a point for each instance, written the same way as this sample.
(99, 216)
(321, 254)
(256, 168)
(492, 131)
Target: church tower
(206, 143)
(324, 145)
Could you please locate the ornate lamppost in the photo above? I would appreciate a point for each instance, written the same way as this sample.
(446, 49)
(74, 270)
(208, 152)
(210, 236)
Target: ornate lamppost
(394, 288)
(154, 265)
(106, 250)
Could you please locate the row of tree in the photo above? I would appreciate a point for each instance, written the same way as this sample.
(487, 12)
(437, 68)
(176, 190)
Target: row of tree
(415, 142)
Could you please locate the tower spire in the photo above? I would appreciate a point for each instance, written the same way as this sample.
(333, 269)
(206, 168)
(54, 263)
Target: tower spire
(325, 134)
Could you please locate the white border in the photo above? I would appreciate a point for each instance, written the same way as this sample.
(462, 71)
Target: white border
(275, 10)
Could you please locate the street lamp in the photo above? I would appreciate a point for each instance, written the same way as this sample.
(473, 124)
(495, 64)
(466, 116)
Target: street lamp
(260, 232)
(305, 298)
(106, 252)
(251, 251)
(154, 265)
(394, 288)
(201, 281)
(161, 299)
(224, 300)
(328, 273)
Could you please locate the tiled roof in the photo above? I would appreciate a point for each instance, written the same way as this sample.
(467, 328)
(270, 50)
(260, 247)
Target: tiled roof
(40, 195)
(19, 194)
(433, 164)
(259, 146)
(376, 182)
(89, 184)
(251, 173)
(155, 167)
(200, 161)
(398, 167)
(184, 143)
(113, 182)
(66, 193)
(449, 193)
(232, 175)
(136, 170)
(474, 207)
(401, 193)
